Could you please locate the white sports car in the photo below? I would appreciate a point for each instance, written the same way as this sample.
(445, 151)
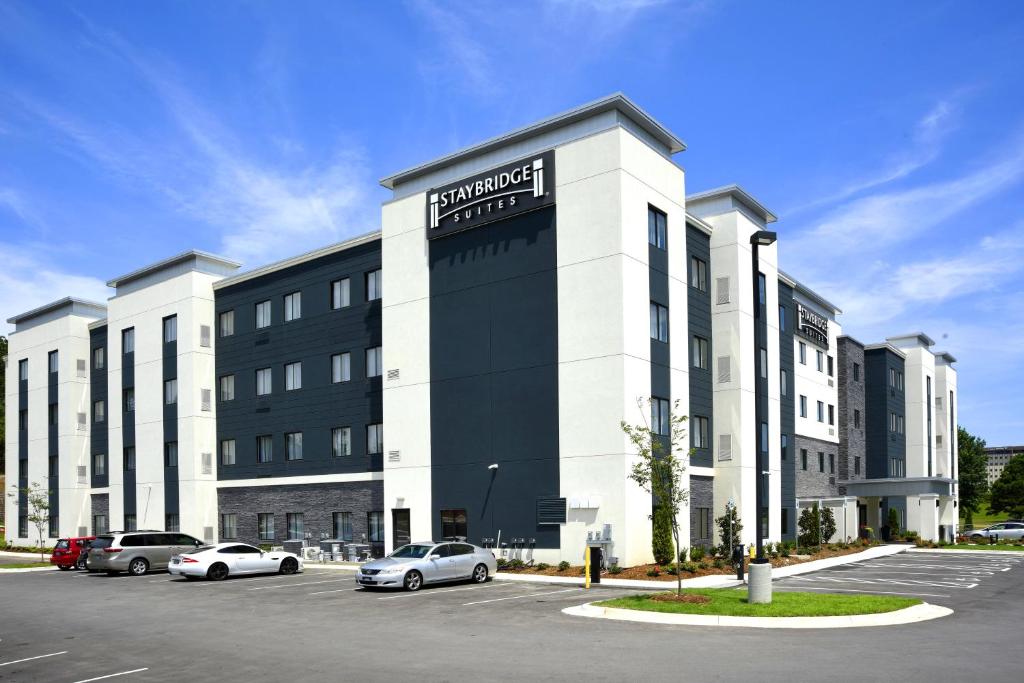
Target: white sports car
(218, 562)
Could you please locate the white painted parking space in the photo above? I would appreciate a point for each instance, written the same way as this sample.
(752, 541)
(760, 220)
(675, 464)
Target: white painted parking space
(113, 675)
(441, 591)
(298, 584)
(29, 659)
(520, 597)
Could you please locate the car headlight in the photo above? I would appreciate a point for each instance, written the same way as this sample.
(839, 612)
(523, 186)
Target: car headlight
(392, 570)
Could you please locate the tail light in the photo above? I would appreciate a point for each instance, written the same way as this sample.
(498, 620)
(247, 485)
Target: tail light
(112, 550)
(188, 560)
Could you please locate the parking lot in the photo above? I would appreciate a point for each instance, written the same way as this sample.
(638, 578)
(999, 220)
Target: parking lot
(64, 627)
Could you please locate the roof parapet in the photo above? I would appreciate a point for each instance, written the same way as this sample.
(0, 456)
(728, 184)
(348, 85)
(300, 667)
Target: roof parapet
(192, 254)
(738, 194)
(75, 306)
(912, 339)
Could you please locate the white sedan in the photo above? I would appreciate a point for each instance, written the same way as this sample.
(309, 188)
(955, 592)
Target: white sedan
(218, 562)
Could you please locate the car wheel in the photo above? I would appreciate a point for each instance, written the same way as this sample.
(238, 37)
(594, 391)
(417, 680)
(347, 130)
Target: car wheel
(138, 567)
(217, 572)
(480, 573)
(413, 581)
(289, 566)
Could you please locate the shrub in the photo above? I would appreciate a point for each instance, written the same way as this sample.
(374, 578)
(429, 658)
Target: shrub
(690, 567)
(516, 564)
(809, 526)
(697, 553)
(683, 552)
(661, 536)
(910, 535)
(543, 565)
(654, 571)
(563, 565)
(730, 520)
(894, 523)
(615, 569)
(718, 563)
(502, 563)
(672, 570)
(784, 551)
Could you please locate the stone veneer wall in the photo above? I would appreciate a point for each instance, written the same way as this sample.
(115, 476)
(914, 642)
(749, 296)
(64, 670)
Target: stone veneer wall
(851, 397)
(701, 496)
(812, 483)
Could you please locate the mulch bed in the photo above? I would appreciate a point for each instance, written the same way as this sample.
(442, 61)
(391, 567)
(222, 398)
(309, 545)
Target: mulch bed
(685, 597)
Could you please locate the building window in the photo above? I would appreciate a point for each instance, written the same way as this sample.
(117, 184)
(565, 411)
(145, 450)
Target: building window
(657, 228)
(821, 411)
(296, 530)
(373, 285)
(128, 399)
(660, 416)
(129, 458)
(831, 414)
(265, 526)
(704, 523)
(54, 361)
(227, 452)
(803, 459)
(170, 392)
(23, 419)
(764, 437)
(762, 290)
(54, 526)
(343, 526)
(170, 329)
(128, 340)
(374, 362)
(821, 462)
(784, 382)
(129, 523)
(821, 361)
(659, 322)
(54, 466)
(856, 372)
(803, 353)
(698, 274)
(99, 524)
(53, 414)
(23, 370)
(899, 424)
(782, 318)
(293, 376)
(341, 367)
(171, 454)
(803, 406)
(856, 464)
(229, 525)
(700, 353)
(293, 446)
(764, 363)
(262, 315)
(340, 293)
(264, 381)
(453, 524)
(99, 357)
(226, 323)
(831, 463)
(341, 441)
(856, 418)
(264, 448)
(171, 522)
(785, 447)
(701, 436)
(374, 439)
(227, 388)
(375, 525)
(99, 411)
(292, 306)
(831, 366)
(99, 464)
(785, 520)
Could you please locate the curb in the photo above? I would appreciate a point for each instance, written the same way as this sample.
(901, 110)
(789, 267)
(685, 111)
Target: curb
(964, 551)
(27, 569)
(5, 553)
(909, 615)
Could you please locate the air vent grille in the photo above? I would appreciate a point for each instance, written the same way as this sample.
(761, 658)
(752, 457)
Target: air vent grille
(725, 446)
(550, 510)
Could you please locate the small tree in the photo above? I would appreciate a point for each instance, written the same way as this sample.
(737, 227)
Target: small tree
(810, 527)
(729, 529)
(971, 473)
(828, 524)
(894, 523)
(38, 500)
(1008, 490)
(661, 462)
(661, 537)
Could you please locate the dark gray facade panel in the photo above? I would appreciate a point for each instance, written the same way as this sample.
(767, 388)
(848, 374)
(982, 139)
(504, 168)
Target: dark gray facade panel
(494, 376)
(53, 444)
(127, 430)
(170, 426)
(812, 482)
(320, 405)
(99, 437)
(702, 495)
(22, 453)
(316, 502)
(787, 407)
(881, 443)
(698, 244)
(852, 443)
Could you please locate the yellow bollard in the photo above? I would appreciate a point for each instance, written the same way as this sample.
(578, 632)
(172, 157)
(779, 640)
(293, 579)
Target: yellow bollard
(586, 568)
(753, 551)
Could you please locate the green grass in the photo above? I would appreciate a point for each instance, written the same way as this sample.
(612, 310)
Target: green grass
(733, 602)
(25, 565)
(985, 546)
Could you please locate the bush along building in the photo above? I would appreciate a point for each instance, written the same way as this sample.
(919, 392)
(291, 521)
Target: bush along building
(541, 287)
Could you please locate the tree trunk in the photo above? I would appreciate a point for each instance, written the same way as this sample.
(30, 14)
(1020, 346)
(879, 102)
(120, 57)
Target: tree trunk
(679, 562)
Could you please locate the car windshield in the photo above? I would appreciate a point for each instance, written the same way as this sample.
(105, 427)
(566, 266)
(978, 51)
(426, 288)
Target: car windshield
(62, 543)
(102, 542)
(200, 549)
(412, 550)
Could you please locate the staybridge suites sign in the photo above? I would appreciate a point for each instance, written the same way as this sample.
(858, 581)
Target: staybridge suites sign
(503, 192)
(812, 325)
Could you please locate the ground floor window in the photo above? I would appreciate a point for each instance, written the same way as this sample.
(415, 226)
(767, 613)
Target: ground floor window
(23, 526)
(129, 523)
(375, 524)
(785, 520)
(99, 524)
(453, 523)
(265, 522)
(343, 526)
(704, 523)
(54, 526)
(229, 525)
(171, 522)
(296, 529)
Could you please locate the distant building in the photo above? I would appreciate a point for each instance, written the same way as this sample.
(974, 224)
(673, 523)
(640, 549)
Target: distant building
(998, 457)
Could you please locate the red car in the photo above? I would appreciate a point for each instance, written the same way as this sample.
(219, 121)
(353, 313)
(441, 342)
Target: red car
(69, 552)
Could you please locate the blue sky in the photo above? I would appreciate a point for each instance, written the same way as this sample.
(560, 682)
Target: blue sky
(887, 137)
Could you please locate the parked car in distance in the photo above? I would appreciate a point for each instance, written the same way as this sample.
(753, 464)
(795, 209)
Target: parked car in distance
(415, 564)
(67, 553)
(137, 552)
(1004, 531)
(218, 562)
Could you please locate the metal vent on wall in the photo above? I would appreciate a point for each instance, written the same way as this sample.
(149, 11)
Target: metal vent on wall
(725, 446)
(81, 421)
(392, 374)
(204, 335)
(938, 403)
(394, 456)
(831, 383)
(208, 533)
(551, 511)
(724, 369)
(721, 290)
(82, 474)
(205, 399)
(83, 531)
(207, 463)
(80, 367)
(938, 439)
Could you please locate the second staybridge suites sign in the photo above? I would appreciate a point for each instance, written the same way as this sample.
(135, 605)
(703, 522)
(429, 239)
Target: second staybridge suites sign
(502, 192)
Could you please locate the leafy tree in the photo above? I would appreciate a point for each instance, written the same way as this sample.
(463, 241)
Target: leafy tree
(809, 525)
(661, 463)
(828, 524)
(1008, 490)
(894, 523)
(661, 538)
(729, 529)
(38, 511)
(972, 475)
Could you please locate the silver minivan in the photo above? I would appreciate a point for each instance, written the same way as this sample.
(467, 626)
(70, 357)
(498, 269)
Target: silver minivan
(137, 552)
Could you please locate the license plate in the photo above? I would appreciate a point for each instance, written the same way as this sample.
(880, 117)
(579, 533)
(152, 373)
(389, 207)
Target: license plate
(370, 581)
(175, 561)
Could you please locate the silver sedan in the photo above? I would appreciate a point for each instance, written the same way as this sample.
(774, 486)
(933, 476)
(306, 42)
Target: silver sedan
(1004, 531)
(416, 564)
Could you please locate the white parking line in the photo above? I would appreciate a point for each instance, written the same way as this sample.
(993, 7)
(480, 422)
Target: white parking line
(854, 590)
(894, 582)
(517, 597)
(336, 590)
(298, 584)
(120, 673)
(29, 659)
(426, 593)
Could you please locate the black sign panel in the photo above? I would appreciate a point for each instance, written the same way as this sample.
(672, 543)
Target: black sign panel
(812, 326)
(502, 192)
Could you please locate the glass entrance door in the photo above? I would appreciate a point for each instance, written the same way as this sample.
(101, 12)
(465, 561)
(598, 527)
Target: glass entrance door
(400, 524)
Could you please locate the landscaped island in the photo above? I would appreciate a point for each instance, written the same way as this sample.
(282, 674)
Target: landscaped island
(733, 602)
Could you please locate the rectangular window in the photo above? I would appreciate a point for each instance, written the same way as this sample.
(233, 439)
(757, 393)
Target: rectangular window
(292, 306)
(293, 376)
(454, 524)
(99, 464)
(129, 523)
(226, 324)
(831, 414)
(783, 382)
(373, 285)
(341, 442)
(803, 353)
(659, 322)
(785, 447)
(99, 524)
(782, 318)
(227, 452)
(657, 228)
(128, 399)
(23, 419)
(171, 454)
(99, 411)
(701, 435)
(856, 464)
(821, 361)
(856, 418)
(293, 446)
(764, 363)
(129, 458)
(785, 520)
(698, 274)
(99, 358)
(899, 423)
(821, 462)
(762, 290)
(296, 527)
(343, 526)
(821, 411)
(831, 366)
(264, 381)
(265, 525)
(892, 422)
(54, 361)
(660, 416)
(170, 329)
(803, 406)
(374, 362)
(700, 353)
(170, 392)
(803, 459)
(23, 370)
(764, 437)
(229, 525)
(341, 367)
(171, 522)
(340, 293)
(856, 372)
(227, 388)
(374, 439)
(53, 412)
(831, 463)
(704, 523)
(262, 315)
(375, 526)
(54, 470)
(264, 448)
(128, 340)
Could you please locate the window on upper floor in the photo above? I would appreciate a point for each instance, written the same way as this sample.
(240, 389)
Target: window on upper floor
(23, 370)
(659, 322)
(54, 361)
(99, 464)
(856, 464)
(764, 437)
(128, 458)
(171, 454)
(698, 274)
(264, 448)
(99, 358)
(264, 381)
(831, 463)
(803, 459)
(292, 306)
(764, 363)
(262, 315)
(701, 432)
(170, 329)
(293, 376)
(700, 353)
(227, 452)
(23, 419)
(374, 439)
(821, 411)
(821, 361)
(783, 383)
(226, 323)
(856, 418)
(831, 414)
(762, 289)
(782, 318)
(99, 411)
(785, 446)
(803, 353)
(374, 362)
(831, 367)
(341, 442)
(227, 388)
(657, 228)
(856, 372)
(340, 296)
(660, 416)
(341, 367)
(821, 462)
(128, 340)
(128, 399)
(293, 446)
(374, 285)
(170, 392)
(803, 406)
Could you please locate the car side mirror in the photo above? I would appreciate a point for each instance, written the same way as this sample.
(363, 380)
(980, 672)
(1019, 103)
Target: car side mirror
(435, 557)
(196, 543)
